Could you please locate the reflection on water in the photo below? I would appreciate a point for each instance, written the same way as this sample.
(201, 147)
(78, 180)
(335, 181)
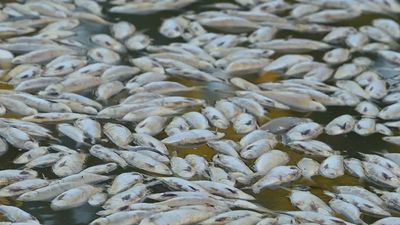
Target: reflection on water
(350, 144)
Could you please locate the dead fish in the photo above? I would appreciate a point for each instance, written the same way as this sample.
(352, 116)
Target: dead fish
(264, 33)
(269, 160)
(104, 55)
(348, 70)
(196, 120)
(107, 155)
(296, 101)
(349, 211)
(143, 112)
(303, 131)
(162, 87)
(42, 56)
(69, 165)
(286, 61)
(340, 125)
(367, 109)
(332, 167)
(232, 164)
(74, 197)
(124, 181)
(107, 90)
(338, 34)
(216, 118)
(106, 41)
(199, 163)
(152, 125)
(118, 134)
(353, 88)
(293, 45)
(122, 30)
(250, 106)
(276, 177)
(17, 107)
(307, 216)
(337, 56)
(390, 112)
(255, 149)
(360, 192)
(227, 147)
(282, 124)
(312, 147)
(357, 40)
(91, 128)
(181, 167)
(180, 215)
(308, 167)
(306, 201)
(244, 123)
(195, 136)
(354, 167)
(10, 176)
(173, 27)
(30, 155)
(137, 42)
(24, 72)
(22, 187)
(17, 215)
(376, 34)
(148, 64)
(64, 65)
(72, 132)
(145, 162)
(380, 175)
(149, 141)
(363, 204)
(177, 125)
(387, 221)
(18, 138)
(365, 126)
(229, 109)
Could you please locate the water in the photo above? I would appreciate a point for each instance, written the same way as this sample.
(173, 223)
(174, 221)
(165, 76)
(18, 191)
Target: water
(350, 145)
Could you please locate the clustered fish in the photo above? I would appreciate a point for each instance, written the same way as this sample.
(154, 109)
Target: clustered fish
(118, 99)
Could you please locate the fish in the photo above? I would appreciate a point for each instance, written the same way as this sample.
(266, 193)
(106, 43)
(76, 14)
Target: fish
(69, 165)
(74, 197)
(332, 167)
(306, 201)
(107, 155)
(195, 136)
(303, 131)
(124, 181)
(276, 177)
(340, 125)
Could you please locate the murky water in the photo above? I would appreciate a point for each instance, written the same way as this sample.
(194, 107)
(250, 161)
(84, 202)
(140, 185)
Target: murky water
(349, 145)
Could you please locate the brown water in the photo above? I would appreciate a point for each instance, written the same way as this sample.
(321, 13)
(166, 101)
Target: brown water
(349, 145)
